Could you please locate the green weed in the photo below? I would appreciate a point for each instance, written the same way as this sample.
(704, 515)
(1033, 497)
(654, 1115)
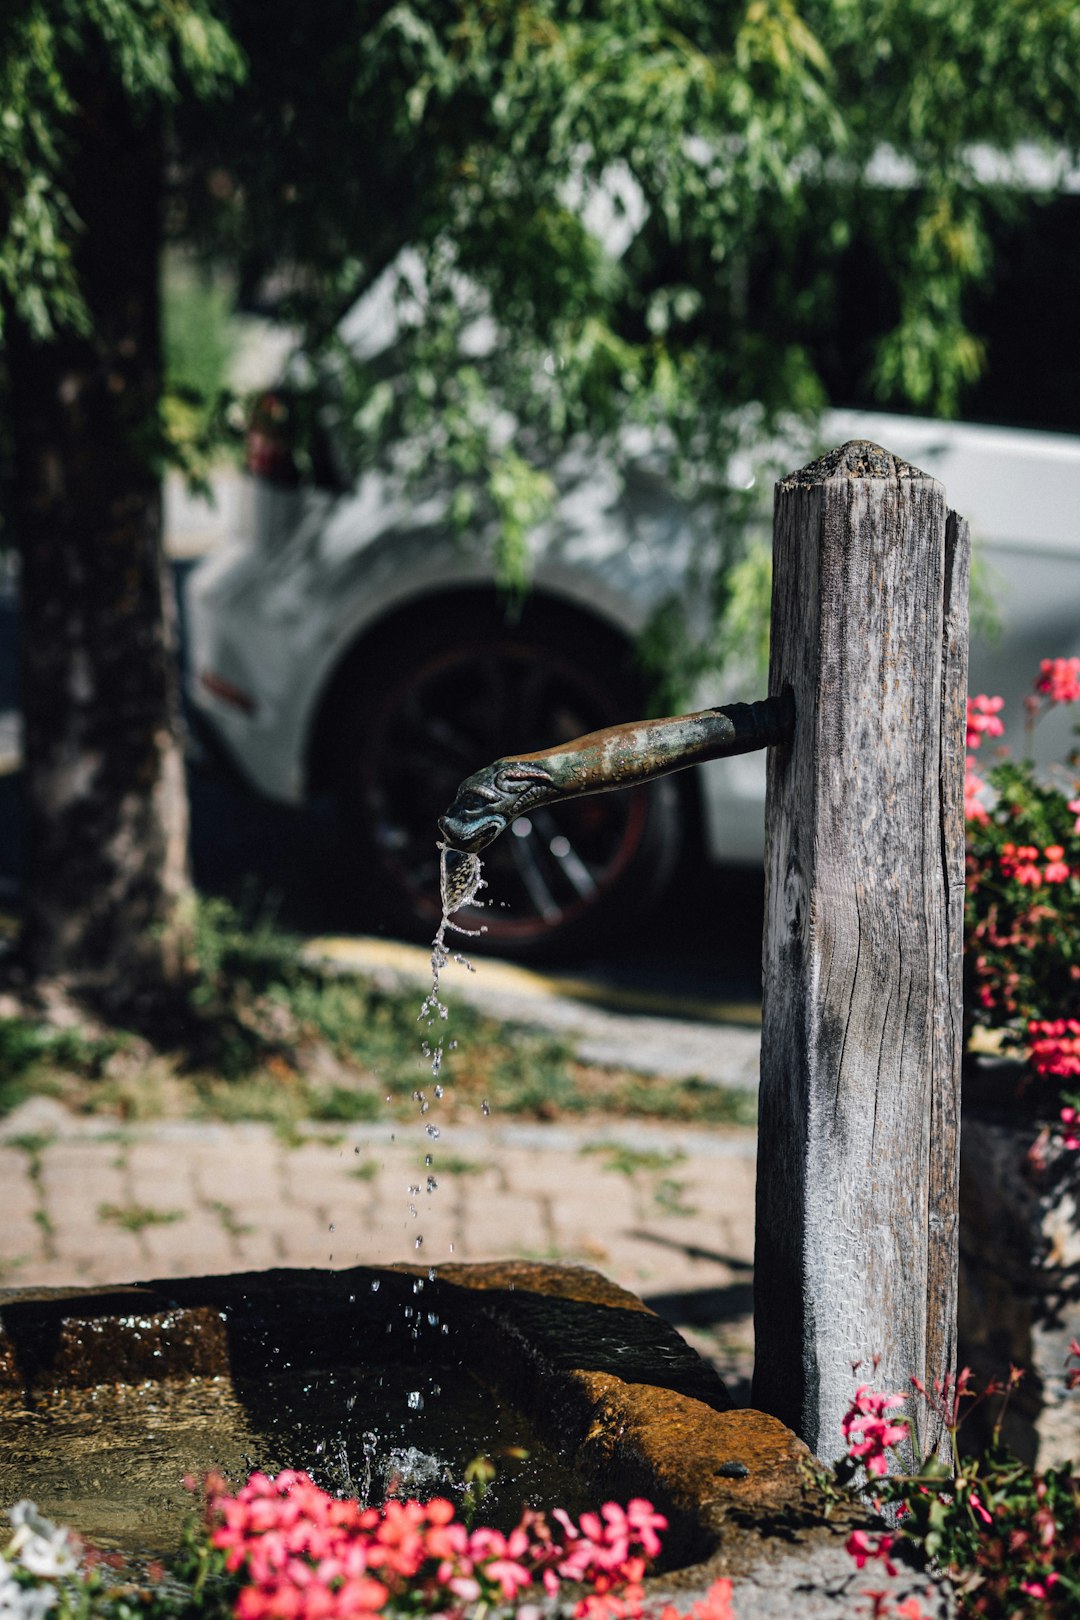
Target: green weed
(136, 1218)
(627, 1161)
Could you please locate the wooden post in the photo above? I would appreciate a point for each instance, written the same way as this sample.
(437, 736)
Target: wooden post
(858, 1155)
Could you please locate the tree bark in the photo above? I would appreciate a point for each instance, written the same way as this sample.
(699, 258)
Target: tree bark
(105, 798)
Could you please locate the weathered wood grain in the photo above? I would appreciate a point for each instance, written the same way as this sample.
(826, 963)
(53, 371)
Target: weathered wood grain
(860, 1066)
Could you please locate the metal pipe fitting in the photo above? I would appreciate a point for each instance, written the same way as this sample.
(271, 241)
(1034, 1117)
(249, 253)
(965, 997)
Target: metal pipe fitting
(619, 756)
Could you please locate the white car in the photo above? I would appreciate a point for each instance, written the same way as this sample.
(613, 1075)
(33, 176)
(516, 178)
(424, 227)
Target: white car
(346, 640)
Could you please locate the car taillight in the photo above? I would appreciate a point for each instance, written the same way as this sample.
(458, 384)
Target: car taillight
(227, 691)
(268, 444)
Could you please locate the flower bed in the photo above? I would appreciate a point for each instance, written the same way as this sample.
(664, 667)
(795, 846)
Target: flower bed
(283, 1549)
(1023, 905)
(1020, 1168)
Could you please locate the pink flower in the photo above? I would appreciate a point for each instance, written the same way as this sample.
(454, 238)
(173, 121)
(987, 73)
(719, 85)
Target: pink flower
(1074, 806)
(860, 1547)
(715, 1605)
(302, 1555)
(1072, 1374)
(1059, 679)
(983, 718)
(1040, 1589)
(645, 1522)
(1070, 1118)
(867, 1431)
(980, 1508)
(948, 1393)
(1058, 869)
(974, 809)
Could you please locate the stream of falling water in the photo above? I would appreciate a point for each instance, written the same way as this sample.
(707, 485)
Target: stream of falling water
(460, 882)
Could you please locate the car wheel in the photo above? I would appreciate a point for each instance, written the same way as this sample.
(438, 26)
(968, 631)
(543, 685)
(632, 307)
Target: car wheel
(428, 709)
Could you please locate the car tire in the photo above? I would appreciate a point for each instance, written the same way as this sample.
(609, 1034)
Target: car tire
(428, 702)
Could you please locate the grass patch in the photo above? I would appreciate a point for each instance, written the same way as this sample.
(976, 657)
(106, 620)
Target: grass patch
(259, 1033)
(628, 1161)
(451, 1165)
(34, 1059)
(366, 1171)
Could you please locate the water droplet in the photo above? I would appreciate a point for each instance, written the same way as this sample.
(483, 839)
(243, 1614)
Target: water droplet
(412, 1211)
(428, 1159)
(431, 1184)
(451, 1248)
(418, 1285)
(331, 1226)
(375, 1284)
(433, 1131)
(415, 1400)
(415, 1189)
(419, 1241)
(352, 1299)
(485, 1107)
(439, 1092)
(433, 1318)
(432, 1274)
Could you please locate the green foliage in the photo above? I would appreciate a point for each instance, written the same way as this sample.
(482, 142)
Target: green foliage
(651, 210)
(32, 1055)
(159, 53)
(199, 343)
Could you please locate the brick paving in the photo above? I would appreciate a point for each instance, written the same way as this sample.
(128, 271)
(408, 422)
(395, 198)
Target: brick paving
(664, 1211)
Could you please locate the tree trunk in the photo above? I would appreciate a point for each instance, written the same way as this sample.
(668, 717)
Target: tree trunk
(106, 807)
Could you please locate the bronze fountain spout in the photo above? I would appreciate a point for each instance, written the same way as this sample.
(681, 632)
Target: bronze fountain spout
(487, 802)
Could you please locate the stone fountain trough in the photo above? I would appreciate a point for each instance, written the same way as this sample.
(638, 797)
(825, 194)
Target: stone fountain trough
(276, 1369)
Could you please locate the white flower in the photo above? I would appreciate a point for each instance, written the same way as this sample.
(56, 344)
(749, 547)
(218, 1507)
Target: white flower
(22, 1602)
(41, 1547)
